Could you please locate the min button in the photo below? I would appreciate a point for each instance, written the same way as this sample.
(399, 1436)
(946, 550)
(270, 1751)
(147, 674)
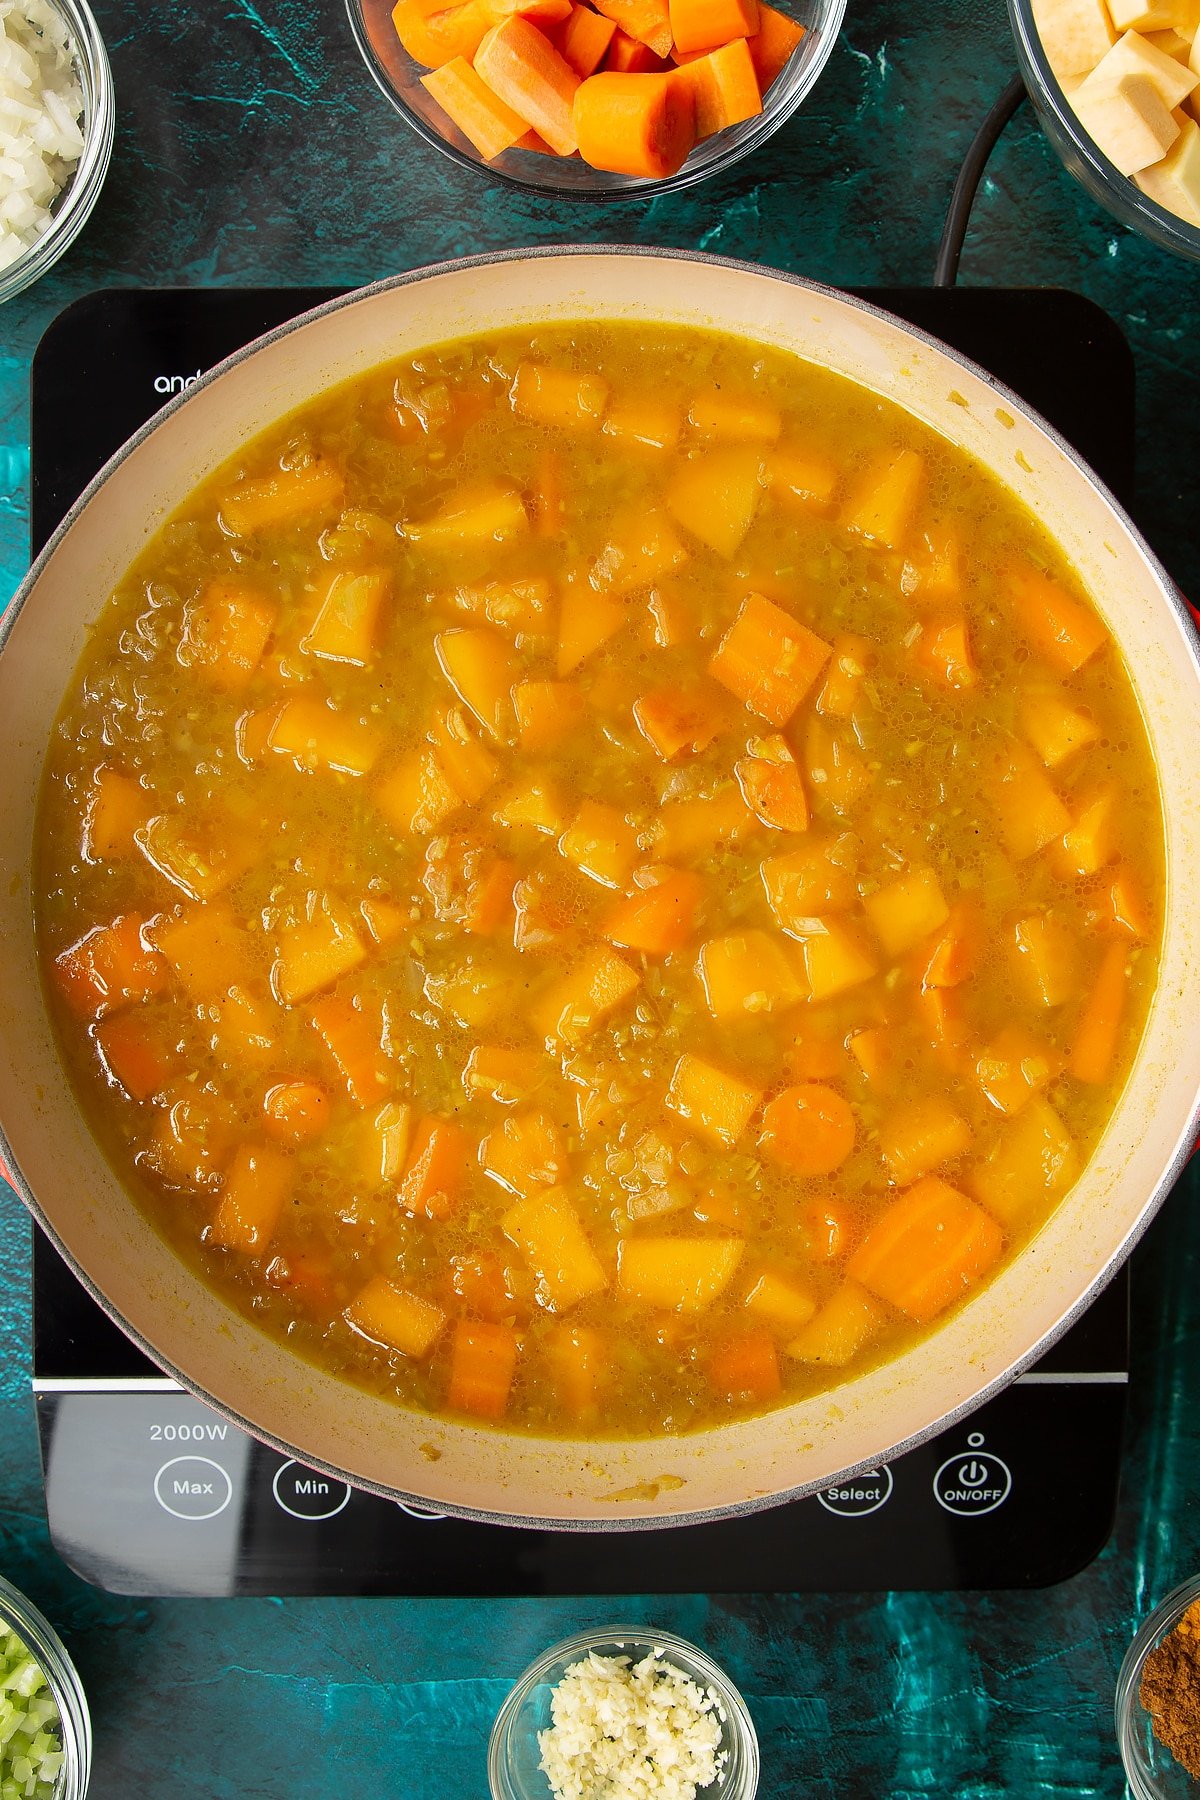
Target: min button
(193, 1487)
(305, 1494)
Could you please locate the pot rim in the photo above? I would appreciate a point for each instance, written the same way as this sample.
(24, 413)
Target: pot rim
(1174, 1167)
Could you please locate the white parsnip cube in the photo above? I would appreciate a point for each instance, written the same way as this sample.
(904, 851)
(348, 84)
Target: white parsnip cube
(1075, 34)
(1127, 120)
(1171, 43)
(1175, 181)
(1142, 15)
(1135, 55)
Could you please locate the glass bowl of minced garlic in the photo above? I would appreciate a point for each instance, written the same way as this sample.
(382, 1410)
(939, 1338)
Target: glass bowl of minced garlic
(1116, 84)
(621, 1712)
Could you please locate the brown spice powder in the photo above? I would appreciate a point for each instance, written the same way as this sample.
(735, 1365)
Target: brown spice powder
(1170, 1690)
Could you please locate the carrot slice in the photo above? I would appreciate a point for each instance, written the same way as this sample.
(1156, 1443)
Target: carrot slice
(745, 1369)
(1096, 1036)
(635, 124)
(540, 12)
(724, 87)
(927, 1249)
(810, 1129)
(434, 38)
(772, 44)
(646, 20)
(583, 39)
(707, 24)
(628, 57)
(295, 1110)
(135, 1054)
(469, 103)
(256, 1186)
(522, 66)
(483, 1362)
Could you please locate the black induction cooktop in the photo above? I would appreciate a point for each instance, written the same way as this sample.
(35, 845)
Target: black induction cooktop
(151, 1492)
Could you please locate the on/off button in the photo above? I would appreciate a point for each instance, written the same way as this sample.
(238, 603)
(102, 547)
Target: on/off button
(973, 1482)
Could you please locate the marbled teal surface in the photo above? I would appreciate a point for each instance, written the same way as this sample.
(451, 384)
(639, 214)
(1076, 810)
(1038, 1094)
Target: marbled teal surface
(252, 147)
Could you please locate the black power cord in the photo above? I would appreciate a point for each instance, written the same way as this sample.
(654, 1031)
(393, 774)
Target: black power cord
(958, 213)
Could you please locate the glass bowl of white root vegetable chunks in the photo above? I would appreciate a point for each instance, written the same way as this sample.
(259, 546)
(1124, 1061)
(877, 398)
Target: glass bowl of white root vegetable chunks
(1116, 84)
(599, 99)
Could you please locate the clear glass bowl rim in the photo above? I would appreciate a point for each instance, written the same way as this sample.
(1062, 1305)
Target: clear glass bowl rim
(63, 1679)
(1128, 1712)
(737, 141)
(633, 1638)
(99, 126)
(1118, 192)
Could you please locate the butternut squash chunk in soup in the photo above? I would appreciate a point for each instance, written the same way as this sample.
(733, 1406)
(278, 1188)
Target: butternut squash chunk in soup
(599, 879)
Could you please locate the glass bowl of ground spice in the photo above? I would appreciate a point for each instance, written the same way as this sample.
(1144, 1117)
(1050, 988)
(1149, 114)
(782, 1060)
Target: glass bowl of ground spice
(1158, 1700)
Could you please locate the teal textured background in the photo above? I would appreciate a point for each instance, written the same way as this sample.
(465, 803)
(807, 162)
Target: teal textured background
(252, 147)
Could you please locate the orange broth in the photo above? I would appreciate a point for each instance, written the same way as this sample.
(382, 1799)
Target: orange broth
(599, 879)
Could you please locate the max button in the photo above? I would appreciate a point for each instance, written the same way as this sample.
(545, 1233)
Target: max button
(305, 1494)
(854, 1499)
(193, 1487)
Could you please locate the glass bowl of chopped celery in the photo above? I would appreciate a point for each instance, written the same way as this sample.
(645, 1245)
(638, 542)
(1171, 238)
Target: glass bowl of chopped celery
(624, 1710)
(45, 1731)
(56, 132)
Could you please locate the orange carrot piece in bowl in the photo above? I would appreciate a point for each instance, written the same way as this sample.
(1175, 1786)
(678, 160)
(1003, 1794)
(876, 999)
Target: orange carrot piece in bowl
(707, 24)
(772, 44)
(648, 21)
(436, 38)
(541, 13)
(724, 87)
(469, 103)
(634, 124)
(522, 66)
(626, 56)
(583, 39)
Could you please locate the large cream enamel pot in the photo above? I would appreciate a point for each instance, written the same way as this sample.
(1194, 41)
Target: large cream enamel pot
(741, 1466)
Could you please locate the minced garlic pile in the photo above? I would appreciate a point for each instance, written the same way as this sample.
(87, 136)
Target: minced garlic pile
(625, 1731)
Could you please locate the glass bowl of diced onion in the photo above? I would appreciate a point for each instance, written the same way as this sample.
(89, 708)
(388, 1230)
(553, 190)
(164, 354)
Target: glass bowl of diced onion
(515, 1751)
(56, 132)
(1080, 154)
(45, 1730)
(568, 176)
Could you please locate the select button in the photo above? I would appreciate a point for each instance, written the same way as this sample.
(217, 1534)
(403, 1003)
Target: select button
(307, 1495)
(866, 1493)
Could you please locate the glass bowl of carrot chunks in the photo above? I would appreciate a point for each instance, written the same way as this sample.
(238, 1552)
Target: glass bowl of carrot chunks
(596, 98)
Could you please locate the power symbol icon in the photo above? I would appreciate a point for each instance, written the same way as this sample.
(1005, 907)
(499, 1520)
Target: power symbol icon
(973, 1473)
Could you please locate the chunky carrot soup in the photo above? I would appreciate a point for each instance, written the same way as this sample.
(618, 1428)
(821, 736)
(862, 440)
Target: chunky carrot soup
(599, 879)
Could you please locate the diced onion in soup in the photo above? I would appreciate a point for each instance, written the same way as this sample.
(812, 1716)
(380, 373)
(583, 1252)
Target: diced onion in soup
(41, 106)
